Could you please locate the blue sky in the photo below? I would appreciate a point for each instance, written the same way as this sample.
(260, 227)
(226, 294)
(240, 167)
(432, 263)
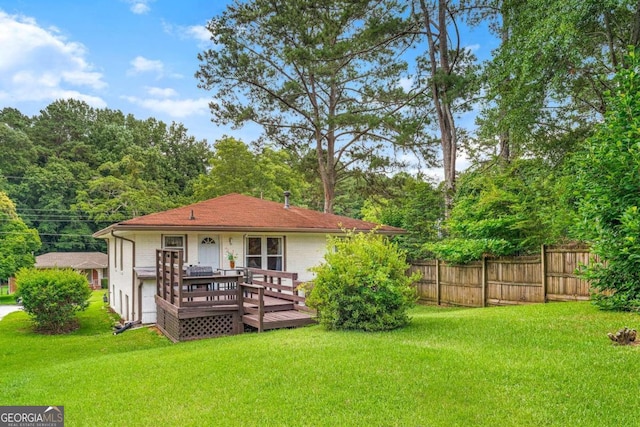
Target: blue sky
(137, 56)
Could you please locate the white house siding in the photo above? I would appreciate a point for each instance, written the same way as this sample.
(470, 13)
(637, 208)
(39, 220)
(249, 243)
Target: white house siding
(233, 243)
(146, 245)
(305, 251)
(302, 251)
(120, 253)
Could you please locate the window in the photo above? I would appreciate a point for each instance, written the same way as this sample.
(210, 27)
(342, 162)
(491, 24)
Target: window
(254, 252)
(173, 242)
(265, 253)
(274, 253)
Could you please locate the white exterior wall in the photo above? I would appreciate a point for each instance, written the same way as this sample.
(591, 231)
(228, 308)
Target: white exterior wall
(233, 243)
(304, 251)
(121, 277)
(146, 245)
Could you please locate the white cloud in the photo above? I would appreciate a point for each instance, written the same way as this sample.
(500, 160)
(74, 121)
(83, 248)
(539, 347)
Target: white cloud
(415, 166)
(473, 47)
(406, 83)
(198, 32)
(162, 92)
(139, 7)
(40, 64)
(141, 64)
(161, 101)
(190, 32)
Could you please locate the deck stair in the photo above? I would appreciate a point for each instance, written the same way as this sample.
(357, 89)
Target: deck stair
(271, 300)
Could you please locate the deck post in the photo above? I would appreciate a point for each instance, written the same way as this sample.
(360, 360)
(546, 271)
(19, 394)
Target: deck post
(543, 267)
(294, 286)
(437, 281)
(169, 259)
(159, 290)
(240, 299)
(484, 281)
(179, 268)
(261, 309)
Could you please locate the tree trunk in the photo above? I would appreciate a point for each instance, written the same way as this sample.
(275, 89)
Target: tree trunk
(327, 170)
(439, 61)
(504, 138)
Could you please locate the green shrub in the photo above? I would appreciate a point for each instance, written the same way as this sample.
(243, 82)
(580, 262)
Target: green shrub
(505, 210)
(52, 297)
(363, 284)
(462, 251)
(608, 200)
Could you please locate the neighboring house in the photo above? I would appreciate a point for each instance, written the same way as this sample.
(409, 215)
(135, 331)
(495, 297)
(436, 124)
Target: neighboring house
(93, 264)
(260, 233)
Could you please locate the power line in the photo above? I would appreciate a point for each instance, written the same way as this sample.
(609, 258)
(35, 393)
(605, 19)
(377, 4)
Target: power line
(46, 234)
(49, 219)
(47, 210)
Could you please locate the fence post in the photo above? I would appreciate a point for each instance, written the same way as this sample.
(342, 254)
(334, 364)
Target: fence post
(484, 281)
(543, 267)
(437, 281)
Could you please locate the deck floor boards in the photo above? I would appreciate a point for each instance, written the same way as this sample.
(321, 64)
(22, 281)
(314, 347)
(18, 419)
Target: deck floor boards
(278, 313)
(279, 319)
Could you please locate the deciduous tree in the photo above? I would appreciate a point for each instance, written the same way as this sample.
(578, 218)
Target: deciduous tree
(17, 241)
(608, 197)
(547, 81)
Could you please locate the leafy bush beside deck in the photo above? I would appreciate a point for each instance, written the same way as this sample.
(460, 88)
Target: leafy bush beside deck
(363, 284)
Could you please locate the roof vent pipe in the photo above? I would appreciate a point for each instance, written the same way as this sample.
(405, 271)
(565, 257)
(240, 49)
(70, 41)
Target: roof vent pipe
(286, 199)
(192, 217)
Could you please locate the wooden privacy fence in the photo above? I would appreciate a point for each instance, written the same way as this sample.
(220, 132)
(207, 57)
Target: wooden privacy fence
(550, 276)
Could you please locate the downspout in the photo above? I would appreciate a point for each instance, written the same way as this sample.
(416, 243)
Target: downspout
(140, 300)
(133, 275)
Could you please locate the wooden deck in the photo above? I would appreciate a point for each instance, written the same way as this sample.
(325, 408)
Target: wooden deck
(193, 307)
(274, 313)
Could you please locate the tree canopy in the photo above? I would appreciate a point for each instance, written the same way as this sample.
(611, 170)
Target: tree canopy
(17, 241)
(73, 169)
(353, 98)
(607, 181)
(315, 74)
(234, 168)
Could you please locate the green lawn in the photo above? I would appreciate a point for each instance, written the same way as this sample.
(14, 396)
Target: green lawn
(6, 299)
(506, 366)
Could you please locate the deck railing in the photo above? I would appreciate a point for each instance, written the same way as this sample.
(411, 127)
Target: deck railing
(253, 301)
(180, 290)
(198, 306)
(278, 284)
(270, 296)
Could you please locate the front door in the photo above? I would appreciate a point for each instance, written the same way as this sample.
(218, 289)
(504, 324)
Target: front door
(209, 251)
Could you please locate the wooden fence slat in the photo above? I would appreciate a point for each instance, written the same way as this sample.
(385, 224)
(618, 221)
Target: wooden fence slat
(551, 275)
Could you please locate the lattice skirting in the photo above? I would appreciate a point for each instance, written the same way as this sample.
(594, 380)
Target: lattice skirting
(196, 327)
(205, 327)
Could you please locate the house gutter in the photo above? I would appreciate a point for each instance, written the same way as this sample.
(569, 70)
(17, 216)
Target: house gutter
(243, 229)
(133, 274)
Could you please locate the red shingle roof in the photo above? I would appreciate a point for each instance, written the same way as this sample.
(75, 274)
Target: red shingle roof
(77, 260)
(236, 212)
